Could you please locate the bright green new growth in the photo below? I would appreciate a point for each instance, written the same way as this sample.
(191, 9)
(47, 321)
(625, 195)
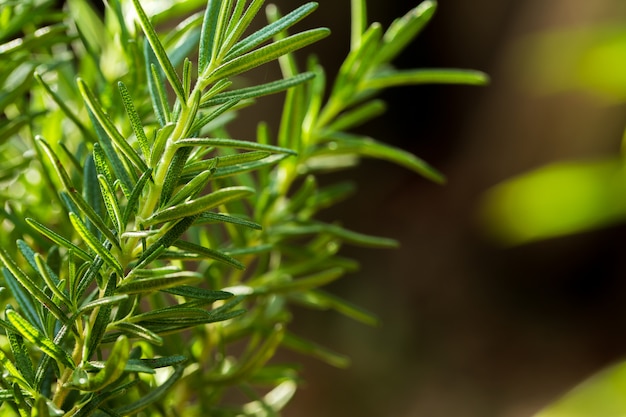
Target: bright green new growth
(168, 242)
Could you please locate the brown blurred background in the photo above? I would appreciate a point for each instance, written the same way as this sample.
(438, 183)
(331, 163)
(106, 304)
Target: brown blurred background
(469, 328)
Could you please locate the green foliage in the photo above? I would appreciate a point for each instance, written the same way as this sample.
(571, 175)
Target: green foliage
(601, 395)
(555, 200)
(568, 197)
(151, 261)
(565, 197)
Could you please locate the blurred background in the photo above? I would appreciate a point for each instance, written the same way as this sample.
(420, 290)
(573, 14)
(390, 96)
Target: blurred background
(473, 327)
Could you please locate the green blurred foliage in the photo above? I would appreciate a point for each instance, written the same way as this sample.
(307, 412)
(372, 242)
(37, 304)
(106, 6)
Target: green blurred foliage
(555, 200)
(602, 395)
(589, 59)
(571, 196)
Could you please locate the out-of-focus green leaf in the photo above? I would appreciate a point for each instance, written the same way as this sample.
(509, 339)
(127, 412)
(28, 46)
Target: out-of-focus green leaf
(425, 76)
(273, 401)
(368, 147)
(555, 200)
(310, 348)
(298, 230)
(322, 300)
(602, 395)
(153, 395)
(590, 59)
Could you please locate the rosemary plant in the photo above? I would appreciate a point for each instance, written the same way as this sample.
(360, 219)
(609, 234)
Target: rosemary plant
(150, 261)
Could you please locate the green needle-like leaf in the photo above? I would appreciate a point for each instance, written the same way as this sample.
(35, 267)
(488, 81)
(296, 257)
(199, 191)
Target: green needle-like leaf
(303, 284)
(156, 88)
(322, 300)
(358, 62)
(103, 317)
(310, 348)
(59, 240)
(268, 53)
(209, 253)
(110, 157)
(30, 256)
(224, 161)
(232, 143)
(358, 116)
(102, 166)
(174, 171)
(51, 280)
(91, 192)
(133, 200)
(135, 330)
(113, 369)
(193, 187)
(209, 34)
(145, 285)
(209, 217)
(240, 22)
(153, 395)
(336, 231)
(33, 335)
(13, 372)
(65, 108)
(359, 22)
(199, 205)
(135, 120)
(403, 30)
(76, 198)
(270, 30)
(367, 147)
(425, 76)
(94, 244)
(193, 292)
(102, 302)
(160, 53)
(258, 90)
(110, 202)
(32, 288)
(21, 356)
(109, 127)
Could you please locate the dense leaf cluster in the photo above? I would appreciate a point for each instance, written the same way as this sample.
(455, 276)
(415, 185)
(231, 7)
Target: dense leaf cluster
(150, 242)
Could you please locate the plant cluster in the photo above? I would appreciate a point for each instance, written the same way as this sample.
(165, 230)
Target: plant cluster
(150, 261)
